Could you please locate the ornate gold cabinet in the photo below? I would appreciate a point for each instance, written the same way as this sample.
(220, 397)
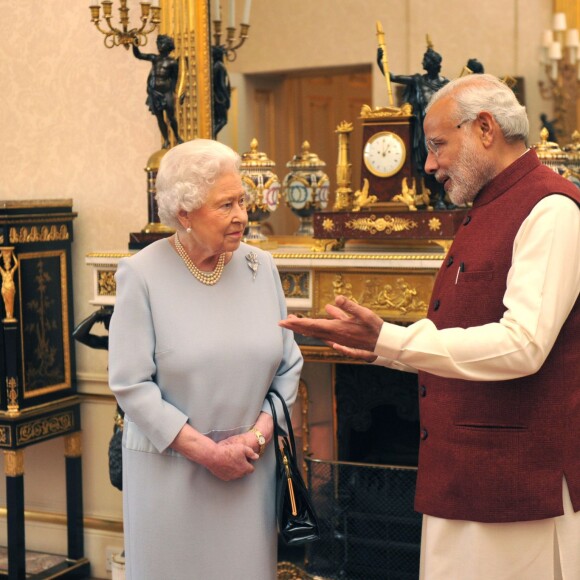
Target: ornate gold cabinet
(38, 398)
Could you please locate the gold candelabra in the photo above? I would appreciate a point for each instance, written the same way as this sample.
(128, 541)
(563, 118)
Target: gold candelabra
(560, 46)
(231, 43)
(150, 16)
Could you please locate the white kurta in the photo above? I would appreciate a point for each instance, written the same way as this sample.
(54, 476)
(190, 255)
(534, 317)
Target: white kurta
(180, 351)
(542, 286)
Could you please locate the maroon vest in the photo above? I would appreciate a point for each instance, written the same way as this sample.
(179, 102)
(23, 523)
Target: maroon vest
(496, 451)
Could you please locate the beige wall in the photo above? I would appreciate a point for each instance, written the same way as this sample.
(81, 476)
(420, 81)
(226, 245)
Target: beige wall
(74, 125)
(503, 34)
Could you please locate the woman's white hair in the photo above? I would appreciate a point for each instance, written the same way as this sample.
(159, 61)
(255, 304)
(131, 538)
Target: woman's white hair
(186, 174)
(482, 92)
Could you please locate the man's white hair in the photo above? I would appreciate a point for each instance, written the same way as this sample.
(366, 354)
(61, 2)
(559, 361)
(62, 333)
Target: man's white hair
(482, 92)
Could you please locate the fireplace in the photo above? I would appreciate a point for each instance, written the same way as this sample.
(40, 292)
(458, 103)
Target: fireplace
(365, 499)
(377, 415)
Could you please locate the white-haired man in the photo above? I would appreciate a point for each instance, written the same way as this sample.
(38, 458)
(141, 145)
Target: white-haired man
(498, 356)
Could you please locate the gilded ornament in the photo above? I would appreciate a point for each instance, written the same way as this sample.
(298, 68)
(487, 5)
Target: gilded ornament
(13, 463)
(362, 197)
(5, 438)
(106, 283)
(434, 224)
(12, 389)
(46, 234)
(387, 224)
(10, 263)
(73, 445)
(327, 225)
(295, 284)
(43, 428)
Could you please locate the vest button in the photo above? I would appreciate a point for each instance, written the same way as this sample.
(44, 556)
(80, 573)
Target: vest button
(423, 391)
(466, 220)
(424, 434)
(450, 261)
(436, 304)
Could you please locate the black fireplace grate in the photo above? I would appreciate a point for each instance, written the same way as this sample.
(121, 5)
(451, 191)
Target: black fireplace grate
(369, 529)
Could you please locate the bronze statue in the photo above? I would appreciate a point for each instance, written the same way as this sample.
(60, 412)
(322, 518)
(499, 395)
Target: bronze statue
(8, 287)
(475, 66)
(161, 85)
(550, 126)
(419, 88)
(221, 89)
(83, 334)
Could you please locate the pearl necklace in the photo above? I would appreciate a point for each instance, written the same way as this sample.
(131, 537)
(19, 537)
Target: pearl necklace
(207, 278)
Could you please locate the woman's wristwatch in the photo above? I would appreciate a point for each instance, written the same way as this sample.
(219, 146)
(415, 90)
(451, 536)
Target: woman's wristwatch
(261, 440)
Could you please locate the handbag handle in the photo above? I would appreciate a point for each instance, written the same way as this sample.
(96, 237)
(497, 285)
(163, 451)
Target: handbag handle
(277, 430)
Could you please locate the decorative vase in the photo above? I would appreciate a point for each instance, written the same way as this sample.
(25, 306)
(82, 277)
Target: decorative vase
(306, 188)
(550, 154)
(263, 189)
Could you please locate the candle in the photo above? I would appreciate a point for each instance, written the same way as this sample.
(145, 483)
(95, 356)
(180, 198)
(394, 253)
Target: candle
(559, 22)
(217, 12)
(246, 16)
(547, 38)
(572, 37)
(232, 14)
(555, 51)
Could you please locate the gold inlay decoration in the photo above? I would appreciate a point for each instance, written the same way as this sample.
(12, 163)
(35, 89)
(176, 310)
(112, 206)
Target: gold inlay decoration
(13, 463)
(24, 235)
(44, 428)
(434, 224)
(5, 439)
(327, 225)
(188, 24)
(106, 283)
(289, 571)
(44, 319)
(367, 112)
(73, 445)
(1, 239)
(362, 197)
(304, 425)
(295, 284)
(387, 224)
(111, 255)
(373, 257)
(12, 390)
(397, 296)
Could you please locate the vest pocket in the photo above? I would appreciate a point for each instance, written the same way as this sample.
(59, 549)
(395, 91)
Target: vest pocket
(490, 427)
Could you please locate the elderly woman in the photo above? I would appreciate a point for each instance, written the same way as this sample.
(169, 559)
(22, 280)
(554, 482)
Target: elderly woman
(194, 348)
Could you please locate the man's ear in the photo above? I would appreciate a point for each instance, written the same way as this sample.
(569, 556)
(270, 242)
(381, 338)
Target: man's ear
(487, 128)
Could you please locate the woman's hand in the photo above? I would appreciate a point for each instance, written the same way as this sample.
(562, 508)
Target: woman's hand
(226, 462)
(264, 424)
(231, 461)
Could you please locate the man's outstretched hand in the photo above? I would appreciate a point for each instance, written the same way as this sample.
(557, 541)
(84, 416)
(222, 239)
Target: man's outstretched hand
(352, 329)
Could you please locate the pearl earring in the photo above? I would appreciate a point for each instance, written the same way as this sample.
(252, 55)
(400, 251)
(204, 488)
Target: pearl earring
(188, 230)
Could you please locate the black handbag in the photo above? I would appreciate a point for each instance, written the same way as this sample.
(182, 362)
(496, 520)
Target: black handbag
(295, 514)
(115, 452)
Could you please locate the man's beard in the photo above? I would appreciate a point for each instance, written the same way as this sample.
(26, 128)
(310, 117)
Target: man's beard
(468, 176)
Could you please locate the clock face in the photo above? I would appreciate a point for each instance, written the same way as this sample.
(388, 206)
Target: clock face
(384, 154)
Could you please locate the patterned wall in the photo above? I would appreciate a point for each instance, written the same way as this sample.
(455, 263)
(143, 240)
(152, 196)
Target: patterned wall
(75, 125)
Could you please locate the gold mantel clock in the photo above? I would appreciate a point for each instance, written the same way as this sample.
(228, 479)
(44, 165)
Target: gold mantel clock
(386, 155)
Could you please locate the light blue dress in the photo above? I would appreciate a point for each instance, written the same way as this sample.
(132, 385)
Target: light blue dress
(180, 351)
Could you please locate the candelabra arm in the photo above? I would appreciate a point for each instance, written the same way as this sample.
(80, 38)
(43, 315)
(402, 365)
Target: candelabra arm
(242, 38)
(217, 32)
